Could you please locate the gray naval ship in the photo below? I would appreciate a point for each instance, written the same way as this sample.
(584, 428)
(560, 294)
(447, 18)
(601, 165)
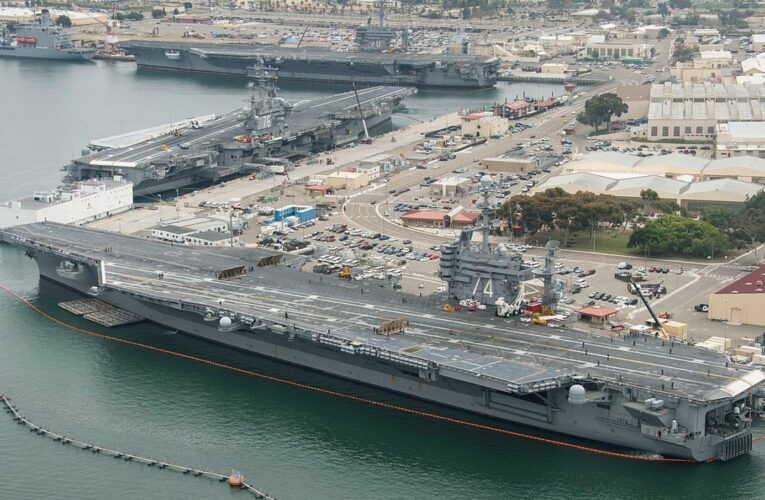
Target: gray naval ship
(370, 65)
(42, 40)
(270, 131)
(639, 393)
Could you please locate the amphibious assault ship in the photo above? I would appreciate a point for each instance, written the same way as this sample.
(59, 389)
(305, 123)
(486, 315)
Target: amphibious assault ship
(42, 40)
(372, 64)
(641, 393)
(270, 131)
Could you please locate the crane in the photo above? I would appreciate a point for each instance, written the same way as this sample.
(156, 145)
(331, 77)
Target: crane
(650, 310)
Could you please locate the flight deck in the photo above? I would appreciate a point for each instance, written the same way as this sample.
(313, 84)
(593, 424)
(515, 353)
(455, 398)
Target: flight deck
(515, 355)
(304, 116)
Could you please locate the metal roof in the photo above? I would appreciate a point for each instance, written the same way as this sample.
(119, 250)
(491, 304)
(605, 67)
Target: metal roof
(735, 190)
(751, 283)
(581, 181)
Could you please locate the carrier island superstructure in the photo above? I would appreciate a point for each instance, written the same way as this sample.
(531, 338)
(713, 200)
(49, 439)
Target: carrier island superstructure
(269, 131)
(640, 393)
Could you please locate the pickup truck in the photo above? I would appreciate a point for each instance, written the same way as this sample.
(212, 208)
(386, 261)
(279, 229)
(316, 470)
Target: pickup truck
(702, 308)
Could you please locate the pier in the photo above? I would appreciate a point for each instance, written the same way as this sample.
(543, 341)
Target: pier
(550, 78)
(100, 312)
(127, 457)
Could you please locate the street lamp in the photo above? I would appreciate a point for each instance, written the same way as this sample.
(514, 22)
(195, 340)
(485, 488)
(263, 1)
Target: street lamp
(754, 242)
(725, 326)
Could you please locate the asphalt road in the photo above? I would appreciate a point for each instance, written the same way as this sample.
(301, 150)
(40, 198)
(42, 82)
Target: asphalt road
(362, 209)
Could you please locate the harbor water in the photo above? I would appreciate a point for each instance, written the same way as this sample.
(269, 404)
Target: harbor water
(290, 442)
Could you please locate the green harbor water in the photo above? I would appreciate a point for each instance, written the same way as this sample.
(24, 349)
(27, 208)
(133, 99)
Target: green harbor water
(291, 442)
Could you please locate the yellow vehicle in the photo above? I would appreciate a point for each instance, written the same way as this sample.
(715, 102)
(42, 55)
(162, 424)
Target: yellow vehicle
(163, 147)
(536, 320)
(448, 308)
(345, 272)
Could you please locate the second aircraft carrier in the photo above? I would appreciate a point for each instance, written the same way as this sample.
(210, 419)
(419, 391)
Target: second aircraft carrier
(270, 130)
(641, 393)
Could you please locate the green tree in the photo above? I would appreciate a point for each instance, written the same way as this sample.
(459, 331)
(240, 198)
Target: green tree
(674, 234)
(176, 11)
(648, 196)
(684, 54)
(721, 217)
(601, 108)
(64, 21)
(663, 10)
(680, 4)
(157, 14)
(187, 5)
(663, 33)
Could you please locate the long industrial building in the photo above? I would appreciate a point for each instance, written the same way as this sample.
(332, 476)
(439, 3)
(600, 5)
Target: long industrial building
(692, 196)
(691, 111)
(674, 166)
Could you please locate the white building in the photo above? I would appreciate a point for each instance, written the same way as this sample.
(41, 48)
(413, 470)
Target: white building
(450, 186)
(758, 42)
(753, 66)
(740, 139)
(76, 203)
(599, 46)
(691, 111)
(373, 172)
(484, 125)
(710, 66)
(180, 229)
(211, 239)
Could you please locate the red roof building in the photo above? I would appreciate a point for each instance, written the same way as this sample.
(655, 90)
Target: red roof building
(319, 189)
(517, 105)
(741, 302)
(599, 314)
(439, 218)
(466, 218)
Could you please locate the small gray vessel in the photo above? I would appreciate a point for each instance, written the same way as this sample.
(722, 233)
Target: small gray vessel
(42, 40)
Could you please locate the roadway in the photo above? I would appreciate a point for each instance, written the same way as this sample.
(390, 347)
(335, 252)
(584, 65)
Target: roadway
(362, 208)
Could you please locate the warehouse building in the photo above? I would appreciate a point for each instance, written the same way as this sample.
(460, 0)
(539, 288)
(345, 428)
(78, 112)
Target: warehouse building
(346, 180)
(742, 168)
(682, 167)
(509, 164)
(742, 302)
(691, 111)
(729, 193)
(450, 186)
(692, 196)
(673, 165)
(709, 66)
(484, 125)
(740, 139)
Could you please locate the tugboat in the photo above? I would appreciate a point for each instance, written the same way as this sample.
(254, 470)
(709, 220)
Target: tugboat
(236, 479)
(42, 40)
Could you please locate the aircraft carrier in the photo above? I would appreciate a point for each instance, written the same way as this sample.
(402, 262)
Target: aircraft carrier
(310, 64)
(371, 64)
(270, 131)
(640, 393)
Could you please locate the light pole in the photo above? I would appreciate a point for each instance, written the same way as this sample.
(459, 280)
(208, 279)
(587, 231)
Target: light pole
(725, 326)
(754, 242)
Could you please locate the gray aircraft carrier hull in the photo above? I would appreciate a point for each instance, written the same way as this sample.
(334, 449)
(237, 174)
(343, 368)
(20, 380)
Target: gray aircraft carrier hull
(309, 65)
(580, 421)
